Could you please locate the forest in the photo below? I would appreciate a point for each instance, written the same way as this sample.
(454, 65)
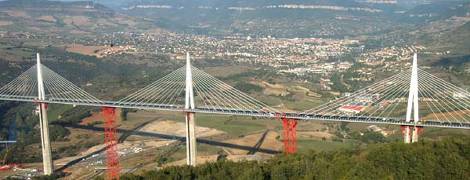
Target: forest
(448, 158)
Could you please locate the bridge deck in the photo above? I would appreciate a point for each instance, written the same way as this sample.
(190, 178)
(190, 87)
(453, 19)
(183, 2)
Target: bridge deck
(261, 113)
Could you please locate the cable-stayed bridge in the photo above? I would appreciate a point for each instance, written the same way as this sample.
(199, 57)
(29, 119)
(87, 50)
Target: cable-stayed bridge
(412, 99)
(443, 104)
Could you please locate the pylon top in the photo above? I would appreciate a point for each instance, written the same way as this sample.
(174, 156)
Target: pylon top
(189, 91)
(41, 92)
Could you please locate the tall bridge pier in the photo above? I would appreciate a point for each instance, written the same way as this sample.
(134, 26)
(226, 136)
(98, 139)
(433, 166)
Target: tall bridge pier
(43, 122)
(190, 139)
(190, 116)
(411, 133)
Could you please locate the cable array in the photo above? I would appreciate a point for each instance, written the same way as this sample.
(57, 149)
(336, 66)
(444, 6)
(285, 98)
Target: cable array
(23, 87)
(57, 88)
(213, 94)
(210, 93)
(445, 101)
(439, 100)
(166, 91)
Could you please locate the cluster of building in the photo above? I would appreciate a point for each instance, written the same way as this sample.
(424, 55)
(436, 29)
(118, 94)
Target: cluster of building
(301, 57)
(319, 68)
(296, 56)
(253, 8)
(275, 52)
(117, 50)
(390, 58)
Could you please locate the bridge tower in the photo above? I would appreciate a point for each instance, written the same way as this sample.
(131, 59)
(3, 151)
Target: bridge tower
(410, 133)
(289, 127)
(189, 115)
(110, 140)
(290, 135)
(43, 122)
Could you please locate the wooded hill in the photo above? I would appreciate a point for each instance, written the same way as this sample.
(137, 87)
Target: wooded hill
(443, 159)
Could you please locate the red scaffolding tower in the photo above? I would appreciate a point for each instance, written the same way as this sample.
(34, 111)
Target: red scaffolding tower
(290, 134)
(110, 140)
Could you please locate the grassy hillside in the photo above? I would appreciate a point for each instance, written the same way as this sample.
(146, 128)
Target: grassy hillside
(457, 40)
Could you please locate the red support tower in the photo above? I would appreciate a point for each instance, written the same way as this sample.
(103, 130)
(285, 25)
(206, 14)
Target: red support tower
(410, 134)
(419, 129)
(110, 140)
(290, 134)
(404, 130)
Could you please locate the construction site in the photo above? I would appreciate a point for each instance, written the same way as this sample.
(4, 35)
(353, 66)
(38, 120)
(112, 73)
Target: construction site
(152, 140)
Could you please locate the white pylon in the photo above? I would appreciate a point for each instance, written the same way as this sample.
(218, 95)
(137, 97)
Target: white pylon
(189, 103)
(411, 134)
(190, 121)
(43, 122)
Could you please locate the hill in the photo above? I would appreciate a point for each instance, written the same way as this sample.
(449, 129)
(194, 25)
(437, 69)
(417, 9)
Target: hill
(453, 38)
(293, 18)
(444, 159)
(266, 18)
(53, 18)
(439, 10)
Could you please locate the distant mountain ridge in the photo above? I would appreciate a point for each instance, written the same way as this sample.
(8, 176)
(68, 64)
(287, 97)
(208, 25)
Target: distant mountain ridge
(278, 18)
(55, 18)
(288, 18)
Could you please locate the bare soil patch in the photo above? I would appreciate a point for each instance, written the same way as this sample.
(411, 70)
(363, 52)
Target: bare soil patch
(269, 142)
(77, 20)
(314, 135)
(272, 89)
(85, 50)
(21, 14)
(50, 19)
(304, 90)
(178, 128)
(98, 51)
(5, 23)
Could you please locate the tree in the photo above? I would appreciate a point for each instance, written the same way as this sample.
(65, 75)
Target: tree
(372, 137)
(445, 159)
